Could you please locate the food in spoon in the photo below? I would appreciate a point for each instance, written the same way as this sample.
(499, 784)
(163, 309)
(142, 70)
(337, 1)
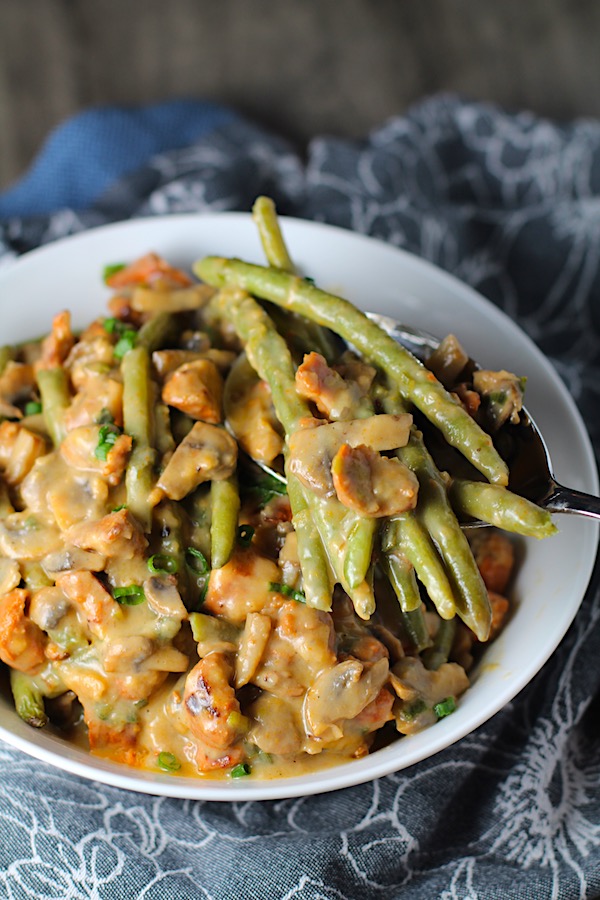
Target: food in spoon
(164, 600)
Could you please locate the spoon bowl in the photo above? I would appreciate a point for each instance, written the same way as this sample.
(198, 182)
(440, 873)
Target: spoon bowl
(522, 446)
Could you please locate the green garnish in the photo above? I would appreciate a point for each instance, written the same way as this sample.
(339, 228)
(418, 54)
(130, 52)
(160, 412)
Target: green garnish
(267, 488)
(196, 561)
(241, 770)
(498, 397)
(162, 564)
(125, 343)
(119, 508)
(107, 436)
(113, 325)
(444, 707)
(287, 591)
(168, 762)
(130, 595)
(412, 710)
(309, 280)
(245, 533)
(110, 270)
(32, 408)
(127, 336)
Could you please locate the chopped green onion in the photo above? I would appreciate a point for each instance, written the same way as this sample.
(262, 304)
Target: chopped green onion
(412, 710)
(131, 595)
(245, 533)
(287, 591)
(33, 408)
(444, 707)
(196, 561)
(111, 269)
(107, 436)
(309, 280)
(111, 325)
(162, 564)
(168, 762)
(119, 508)
(125, 343)
(240, 770)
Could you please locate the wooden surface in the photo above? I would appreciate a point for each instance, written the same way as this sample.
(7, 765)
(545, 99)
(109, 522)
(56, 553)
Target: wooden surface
(300, 66)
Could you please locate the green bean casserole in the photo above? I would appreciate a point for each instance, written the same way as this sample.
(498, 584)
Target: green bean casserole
(229, 544)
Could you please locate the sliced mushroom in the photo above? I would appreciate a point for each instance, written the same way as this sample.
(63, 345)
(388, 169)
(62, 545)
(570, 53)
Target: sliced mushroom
(502, 393)
(207, 453)
(312, 449)
(275, 727)
(420, 689)
(342, 692)
(448, 361)
(164, 598)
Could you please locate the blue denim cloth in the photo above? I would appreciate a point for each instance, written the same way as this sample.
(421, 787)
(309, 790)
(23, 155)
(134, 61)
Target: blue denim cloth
(89, 152)
(511, 205)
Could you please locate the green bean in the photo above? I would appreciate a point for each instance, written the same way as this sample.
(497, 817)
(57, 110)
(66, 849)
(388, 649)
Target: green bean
(414, 626)
(414, 381)
(200, 510)
(28, 699)
(313, 559)
(437, 655)
(412, 621)
(157, 332)
(265, 217)
(225, 502)
(401, 574)
(170, 525)
(497, 506)
(270, 357)
(53, 385)
(435, 512)
(138, 404)
(359, 550)
(405, 533)
(298, 331)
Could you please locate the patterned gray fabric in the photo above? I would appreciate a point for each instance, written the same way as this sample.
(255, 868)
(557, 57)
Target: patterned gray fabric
(511, 205)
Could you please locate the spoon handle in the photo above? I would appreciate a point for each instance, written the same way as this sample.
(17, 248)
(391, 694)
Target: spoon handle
(566, 500)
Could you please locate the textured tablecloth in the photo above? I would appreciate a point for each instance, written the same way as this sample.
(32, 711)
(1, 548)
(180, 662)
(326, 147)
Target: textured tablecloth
(511, 205)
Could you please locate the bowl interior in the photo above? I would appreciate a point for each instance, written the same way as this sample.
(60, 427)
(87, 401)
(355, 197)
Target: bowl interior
(554, 574)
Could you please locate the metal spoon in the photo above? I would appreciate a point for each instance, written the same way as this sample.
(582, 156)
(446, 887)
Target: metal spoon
(522, 445)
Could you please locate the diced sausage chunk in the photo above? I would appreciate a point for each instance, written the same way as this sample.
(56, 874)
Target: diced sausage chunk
(196, 388)
(371, 484)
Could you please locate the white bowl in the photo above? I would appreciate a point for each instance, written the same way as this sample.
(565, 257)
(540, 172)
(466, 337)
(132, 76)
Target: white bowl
(555, 573)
